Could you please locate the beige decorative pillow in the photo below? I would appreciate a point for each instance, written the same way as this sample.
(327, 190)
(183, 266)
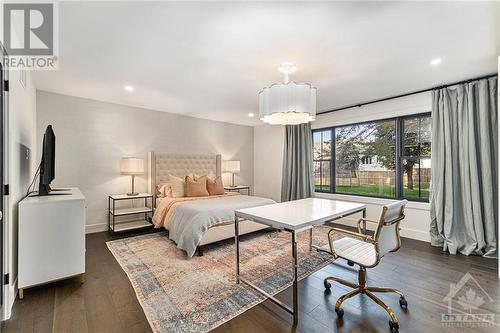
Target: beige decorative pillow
(215, 186)
(177, 184)
(196, 188)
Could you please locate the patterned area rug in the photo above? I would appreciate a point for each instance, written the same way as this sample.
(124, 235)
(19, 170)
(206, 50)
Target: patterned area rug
(198, 294)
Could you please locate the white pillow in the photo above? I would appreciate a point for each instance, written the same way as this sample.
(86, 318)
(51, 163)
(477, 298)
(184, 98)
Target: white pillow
(178, 185)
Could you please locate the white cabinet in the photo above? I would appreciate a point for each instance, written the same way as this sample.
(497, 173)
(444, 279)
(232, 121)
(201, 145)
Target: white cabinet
(51, 238)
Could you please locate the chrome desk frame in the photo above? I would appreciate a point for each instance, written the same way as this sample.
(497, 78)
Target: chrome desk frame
(295, 310)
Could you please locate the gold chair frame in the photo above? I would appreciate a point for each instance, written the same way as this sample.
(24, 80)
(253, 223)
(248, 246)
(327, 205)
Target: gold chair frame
(361, 287)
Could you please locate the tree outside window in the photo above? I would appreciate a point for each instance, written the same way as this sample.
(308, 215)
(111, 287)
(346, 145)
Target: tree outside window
(376, 159)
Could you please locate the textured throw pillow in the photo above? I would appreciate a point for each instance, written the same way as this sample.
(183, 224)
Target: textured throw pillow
(164, 190)
(196, 188)
(177, 184)
(215, 186)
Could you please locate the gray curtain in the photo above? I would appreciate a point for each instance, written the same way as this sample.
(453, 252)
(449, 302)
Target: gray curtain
(464, 187)
(297, 181)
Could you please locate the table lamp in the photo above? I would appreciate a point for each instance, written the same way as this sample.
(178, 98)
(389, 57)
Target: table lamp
(231, 167)
(132, 166)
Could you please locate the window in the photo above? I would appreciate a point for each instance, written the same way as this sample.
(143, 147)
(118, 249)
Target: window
(416, 159)
(322, 142)
(353, 144)
(387, 158)
(366, 160)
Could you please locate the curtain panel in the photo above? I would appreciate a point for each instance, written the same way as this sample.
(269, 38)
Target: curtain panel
(464, 195)
(297, 181)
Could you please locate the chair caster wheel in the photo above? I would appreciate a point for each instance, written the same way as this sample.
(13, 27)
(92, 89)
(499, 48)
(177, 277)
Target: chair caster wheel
(340, 312)
(350, 263)
(403, 303)
(327, 285)
(394, 326)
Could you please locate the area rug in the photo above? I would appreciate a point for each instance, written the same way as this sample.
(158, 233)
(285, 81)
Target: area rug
(180, 294)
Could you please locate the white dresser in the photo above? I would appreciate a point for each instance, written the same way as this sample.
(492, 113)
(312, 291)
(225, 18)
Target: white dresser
(51, 238)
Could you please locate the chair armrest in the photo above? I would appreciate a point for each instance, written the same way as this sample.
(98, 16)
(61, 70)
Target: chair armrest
(364, 220)
(366, 238)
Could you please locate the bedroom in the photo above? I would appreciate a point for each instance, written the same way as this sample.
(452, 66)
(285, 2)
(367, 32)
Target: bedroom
(172, 134)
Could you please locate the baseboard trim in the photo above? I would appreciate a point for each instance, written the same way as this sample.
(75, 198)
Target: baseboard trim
(405, 232)
(416, 234)
(98, 227)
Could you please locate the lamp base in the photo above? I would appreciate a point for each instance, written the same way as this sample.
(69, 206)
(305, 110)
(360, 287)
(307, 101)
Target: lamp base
(133, 193)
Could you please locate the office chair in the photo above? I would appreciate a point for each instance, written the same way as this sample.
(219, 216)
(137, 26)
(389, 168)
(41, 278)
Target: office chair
(366, 251)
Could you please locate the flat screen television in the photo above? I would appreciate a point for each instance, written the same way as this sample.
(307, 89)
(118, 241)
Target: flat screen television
(48, 163)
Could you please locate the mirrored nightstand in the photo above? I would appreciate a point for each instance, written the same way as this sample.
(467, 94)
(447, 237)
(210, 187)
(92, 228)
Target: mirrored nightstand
(238, 189)
(143, 212)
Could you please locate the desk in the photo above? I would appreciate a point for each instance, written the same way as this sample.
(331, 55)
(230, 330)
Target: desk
(294, 217)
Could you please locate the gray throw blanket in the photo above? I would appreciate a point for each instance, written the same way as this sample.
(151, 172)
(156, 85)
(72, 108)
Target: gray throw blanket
(192, 219)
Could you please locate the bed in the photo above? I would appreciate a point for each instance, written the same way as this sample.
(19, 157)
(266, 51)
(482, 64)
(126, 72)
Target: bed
(195, 222)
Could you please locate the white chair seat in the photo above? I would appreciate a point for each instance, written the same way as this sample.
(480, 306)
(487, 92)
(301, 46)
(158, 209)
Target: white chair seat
(355, 250)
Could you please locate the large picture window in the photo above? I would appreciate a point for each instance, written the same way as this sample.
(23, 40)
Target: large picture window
(387, 158)
(365, 159)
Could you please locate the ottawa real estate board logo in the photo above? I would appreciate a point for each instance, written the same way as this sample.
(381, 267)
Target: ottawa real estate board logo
(467, 304)
(30, 35)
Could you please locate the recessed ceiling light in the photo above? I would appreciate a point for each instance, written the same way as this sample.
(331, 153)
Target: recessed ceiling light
(129, 88)
(436, 61)
(251, 114)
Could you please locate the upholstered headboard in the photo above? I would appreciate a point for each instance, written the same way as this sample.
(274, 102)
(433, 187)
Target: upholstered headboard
(160, 165)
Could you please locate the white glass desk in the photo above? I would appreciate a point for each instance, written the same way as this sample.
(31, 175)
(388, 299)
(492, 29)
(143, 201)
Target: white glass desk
(294, 217)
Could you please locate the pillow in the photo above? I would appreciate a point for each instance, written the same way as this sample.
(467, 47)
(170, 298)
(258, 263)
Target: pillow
(177, 185)
(196, 188)
(215, 186)
(164, 190)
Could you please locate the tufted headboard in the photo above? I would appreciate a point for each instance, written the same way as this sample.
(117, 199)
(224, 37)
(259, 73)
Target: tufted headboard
(162, 164)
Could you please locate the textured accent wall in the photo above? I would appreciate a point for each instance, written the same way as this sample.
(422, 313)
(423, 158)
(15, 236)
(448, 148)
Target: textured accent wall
(92, 136)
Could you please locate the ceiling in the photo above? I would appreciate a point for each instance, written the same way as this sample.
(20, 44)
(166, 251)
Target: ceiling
(210, 60)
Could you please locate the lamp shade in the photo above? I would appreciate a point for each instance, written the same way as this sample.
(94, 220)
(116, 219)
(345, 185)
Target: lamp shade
(131, 166)
(287, 103)
(231, 166)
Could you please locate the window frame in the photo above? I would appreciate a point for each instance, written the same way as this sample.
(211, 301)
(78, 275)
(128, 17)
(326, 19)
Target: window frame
(399, 157)
(332, 153)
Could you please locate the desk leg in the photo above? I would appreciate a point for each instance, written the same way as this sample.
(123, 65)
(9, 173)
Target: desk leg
(310, 239)
(237, 246)
(295, 279)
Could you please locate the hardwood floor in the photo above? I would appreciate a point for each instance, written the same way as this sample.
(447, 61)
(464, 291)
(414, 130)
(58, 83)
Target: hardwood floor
(107, 303)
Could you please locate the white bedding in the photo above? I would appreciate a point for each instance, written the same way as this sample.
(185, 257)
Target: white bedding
(188, 219)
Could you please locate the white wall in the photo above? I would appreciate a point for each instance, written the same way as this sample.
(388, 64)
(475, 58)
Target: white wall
(20, 127)
(268, 160)
(269, 151)
(92, 136)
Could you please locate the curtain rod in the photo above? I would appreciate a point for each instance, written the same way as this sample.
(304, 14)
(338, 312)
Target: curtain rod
(408, 94)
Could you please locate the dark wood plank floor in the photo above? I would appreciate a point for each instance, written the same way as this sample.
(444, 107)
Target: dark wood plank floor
(107, 303)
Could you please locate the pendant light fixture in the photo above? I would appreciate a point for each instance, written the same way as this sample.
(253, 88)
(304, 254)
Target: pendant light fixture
(287, 103)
